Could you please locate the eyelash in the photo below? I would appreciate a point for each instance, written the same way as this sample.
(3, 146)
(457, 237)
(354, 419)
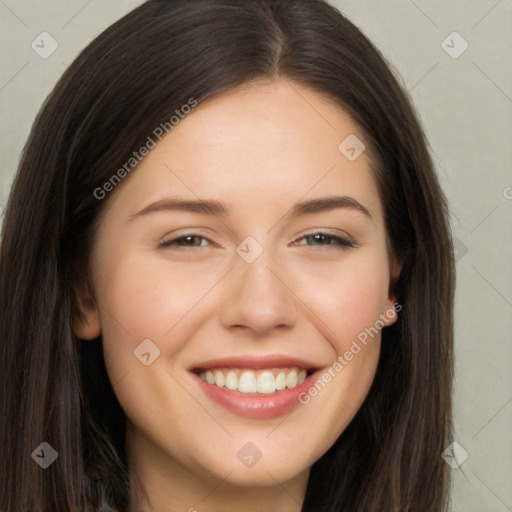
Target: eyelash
(340, 242)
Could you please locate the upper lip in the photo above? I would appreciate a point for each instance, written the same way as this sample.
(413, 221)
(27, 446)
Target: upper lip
(258, 362)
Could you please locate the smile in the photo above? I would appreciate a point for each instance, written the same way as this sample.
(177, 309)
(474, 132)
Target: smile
(266, 381)
(257, 387)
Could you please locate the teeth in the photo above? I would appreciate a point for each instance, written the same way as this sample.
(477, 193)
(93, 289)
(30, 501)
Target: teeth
(219, 379)
(280, 381)
(247, 382)
(255, 381)
(291, 379)
(266, 382)
(231, 381)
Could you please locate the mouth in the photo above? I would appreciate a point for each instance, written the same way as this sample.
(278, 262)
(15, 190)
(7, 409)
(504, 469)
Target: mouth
(266, 381)
(256, 387)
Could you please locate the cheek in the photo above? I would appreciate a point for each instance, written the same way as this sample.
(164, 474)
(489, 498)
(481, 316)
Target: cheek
(149, 295)
(146, 299)
(347, 301)
(346, 296)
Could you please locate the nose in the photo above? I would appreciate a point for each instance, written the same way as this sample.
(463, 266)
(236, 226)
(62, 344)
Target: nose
(257, 297)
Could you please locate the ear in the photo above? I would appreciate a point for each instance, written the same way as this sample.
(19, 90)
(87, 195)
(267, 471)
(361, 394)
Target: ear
(86, 319)
(393, 307)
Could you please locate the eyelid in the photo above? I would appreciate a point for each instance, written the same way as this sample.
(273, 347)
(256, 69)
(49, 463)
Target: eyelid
(344, 241)
(166, 242)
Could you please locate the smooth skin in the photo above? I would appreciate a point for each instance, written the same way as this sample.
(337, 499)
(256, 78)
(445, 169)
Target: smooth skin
(258, 149)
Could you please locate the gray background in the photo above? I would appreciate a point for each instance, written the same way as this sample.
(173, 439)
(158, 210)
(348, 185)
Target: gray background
(465, 104)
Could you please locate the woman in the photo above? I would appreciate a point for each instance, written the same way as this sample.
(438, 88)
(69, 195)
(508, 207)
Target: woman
(263, 368)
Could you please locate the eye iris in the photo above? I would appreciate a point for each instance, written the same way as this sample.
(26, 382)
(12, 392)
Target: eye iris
(192, 238)
(319, 237)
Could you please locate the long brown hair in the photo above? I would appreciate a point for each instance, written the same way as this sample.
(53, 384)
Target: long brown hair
(128, 81)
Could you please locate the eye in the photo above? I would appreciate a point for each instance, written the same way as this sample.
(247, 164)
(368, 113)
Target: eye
(186, 242)
(325, 239)
(193, 241)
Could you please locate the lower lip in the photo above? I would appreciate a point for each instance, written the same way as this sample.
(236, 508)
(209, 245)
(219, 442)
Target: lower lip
(261, 406)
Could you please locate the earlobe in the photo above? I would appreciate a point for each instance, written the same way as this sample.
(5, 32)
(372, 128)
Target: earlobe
(393, 307)
(390, 315)
(86, 321)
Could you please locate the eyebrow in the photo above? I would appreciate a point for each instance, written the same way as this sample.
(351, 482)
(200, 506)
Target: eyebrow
(220, 208)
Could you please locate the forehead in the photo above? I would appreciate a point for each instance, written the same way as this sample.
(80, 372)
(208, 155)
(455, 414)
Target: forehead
(258, 145)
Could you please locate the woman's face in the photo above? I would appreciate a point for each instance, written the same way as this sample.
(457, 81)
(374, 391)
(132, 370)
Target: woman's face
(212, 318)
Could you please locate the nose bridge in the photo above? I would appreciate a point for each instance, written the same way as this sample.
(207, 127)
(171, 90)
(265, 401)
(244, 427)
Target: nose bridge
(253, 264)
(256, 297)
(258, 281)
(258, 278)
